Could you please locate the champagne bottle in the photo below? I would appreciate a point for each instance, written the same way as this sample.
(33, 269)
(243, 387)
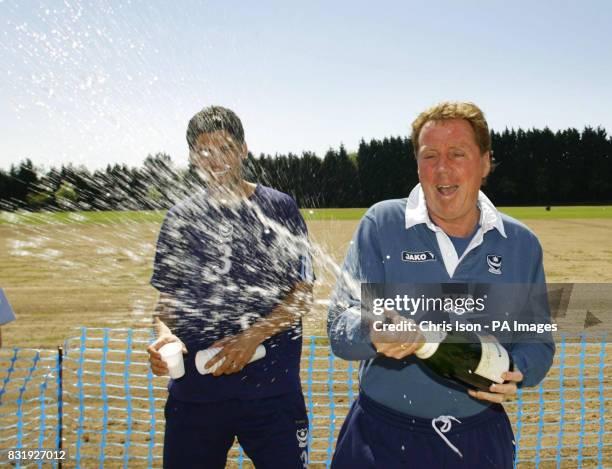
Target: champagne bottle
(203, 356)
(472, 360)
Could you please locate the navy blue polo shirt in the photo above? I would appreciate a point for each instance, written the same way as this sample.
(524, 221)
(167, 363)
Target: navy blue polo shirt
(227, 267)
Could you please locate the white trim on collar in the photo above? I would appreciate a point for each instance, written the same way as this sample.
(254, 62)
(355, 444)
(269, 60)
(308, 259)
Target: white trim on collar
(416, 212)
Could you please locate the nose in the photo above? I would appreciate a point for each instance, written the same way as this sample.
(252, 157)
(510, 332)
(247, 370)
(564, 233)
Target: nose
(442, 164)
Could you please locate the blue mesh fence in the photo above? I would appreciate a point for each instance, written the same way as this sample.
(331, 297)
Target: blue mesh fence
(29, 397)
(112, 406)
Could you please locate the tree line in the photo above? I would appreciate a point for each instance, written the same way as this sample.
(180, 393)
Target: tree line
(532, 167)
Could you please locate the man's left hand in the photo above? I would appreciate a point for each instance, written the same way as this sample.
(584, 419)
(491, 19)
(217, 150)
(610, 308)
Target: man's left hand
(500, 392)
(237, 350)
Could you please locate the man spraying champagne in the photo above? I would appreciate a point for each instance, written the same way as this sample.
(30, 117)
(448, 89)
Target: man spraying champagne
(447, 231)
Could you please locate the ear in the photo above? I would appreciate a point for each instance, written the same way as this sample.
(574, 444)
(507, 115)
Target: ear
(485, 164)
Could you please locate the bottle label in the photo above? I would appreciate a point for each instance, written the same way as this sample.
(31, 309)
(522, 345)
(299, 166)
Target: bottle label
(494, 359)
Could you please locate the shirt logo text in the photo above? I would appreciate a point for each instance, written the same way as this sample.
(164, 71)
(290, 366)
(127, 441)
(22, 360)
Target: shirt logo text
(422, 256)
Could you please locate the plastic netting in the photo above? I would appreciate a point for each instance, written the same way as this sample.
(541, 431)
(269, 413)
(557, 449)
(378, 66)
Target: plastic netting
(108, 407)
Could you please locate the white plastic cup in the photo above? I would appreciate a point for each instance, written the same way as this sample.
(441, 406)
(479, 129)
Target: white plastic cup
(172, 354)
(203, 356)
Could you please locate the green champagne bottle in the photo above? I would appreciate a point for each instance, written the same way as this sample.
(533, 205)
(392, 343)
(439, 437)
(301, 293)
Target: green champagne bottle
(472, 360)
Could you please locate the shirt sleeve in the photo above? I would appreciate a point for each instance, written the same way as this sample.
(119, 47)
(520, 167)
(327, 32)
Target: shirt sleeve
(171, 256)
(303, 268)
(349, 336)
(534, 356)
(6, 312)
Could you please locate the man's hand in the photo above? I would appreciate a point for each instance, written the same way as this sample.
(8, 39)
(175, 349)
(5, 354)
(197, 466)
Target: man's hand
(158, 366)
(499, 392)
(237, 350)
(396, 344)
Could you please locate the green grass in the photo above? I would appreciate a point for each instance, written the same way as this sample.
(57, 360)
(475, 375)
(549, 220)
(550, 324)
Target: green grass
(110, 217)
(332, 213)
(521, 213)
(557, 213)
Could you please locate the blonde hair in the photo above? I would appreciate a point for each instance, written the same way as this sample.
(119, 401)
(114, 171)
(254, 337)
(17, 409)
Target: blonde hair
(454, 110)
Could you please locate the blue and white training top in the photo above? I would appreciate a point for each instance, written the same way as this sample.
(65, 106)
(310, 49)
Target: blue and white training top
(378, 253)
(227, 268)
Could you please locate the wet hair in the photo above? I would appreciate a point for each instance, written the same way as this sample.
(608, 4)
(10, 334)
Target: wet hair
(212, 119)
(454, 110)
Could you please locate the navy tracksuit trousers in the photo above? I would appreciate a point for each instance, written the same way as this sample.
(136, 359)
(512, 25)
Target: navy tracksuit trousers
(272, 431)
(374, 436)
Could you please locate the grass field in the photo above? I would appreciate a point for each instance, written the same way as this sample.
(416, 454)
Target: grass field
(130, 216)
(62, 271)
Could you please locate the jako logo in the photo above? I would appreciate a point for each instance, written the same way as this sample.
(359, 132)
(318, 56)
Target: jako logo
(418, 256)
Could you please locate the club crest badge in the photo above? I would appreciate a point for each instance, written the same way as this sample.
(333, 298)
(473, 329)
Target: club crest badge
(495, 264)
(302, 437)
(226, 230)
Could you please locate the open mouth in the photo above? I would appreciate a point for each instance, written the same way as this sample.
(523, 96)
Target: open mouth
(447, 190)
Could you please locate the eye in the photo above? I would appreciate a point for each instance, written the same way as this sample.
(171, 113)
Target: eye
(458, 154)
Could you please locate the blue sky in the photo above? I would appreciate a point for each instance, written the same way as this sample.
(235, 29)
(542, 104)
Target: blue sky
(99, 82)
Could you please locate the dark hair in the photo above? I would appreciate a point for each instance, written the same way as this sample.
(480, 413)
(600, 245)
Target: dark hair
(211, 119)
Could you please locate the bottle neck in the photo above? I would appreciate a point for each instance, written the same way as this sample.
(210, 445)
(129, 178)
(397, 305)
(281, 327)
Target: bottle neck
(431, 342)
(426, 350)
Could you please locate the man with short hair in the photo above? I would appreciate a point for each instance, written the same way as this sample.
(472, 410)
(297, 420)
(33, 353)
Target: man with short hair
(233, 270)
(405, 416)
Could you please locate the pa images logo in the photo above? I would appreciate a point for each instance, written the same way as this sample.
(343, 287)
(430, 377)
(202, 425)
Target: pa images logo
(495, 264)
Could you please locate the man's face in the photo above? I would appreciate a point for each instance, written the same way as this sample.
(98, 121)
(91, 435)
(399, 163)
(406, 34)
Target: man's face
(451, 169)
(218, 158)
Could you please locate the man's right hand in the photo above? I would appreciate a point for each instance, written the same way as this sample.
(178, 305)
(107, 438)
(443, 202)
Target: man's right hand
(158, 366)
(396, 345)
